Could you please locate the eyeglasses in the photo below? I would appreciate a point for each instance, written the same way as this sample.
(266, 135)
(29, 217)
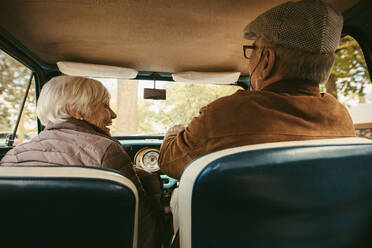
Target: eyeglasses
(247, 50)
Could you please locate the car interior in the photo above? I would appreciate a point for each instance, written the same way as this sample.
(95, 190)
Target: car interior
(162, 61)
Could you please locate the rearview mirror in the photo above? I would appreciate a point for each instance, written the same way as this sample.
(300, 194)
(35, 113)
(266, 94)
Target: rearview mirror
(154, 94)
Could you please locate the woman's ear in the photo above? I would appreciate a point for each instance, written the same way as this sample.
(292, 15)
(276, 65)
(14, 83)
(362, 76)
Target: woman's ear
(71, 112)
(268, 62)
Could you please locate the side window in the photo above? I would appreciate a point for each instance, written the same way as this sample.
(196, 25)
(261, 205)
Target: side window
(14, 79)
(350, 83)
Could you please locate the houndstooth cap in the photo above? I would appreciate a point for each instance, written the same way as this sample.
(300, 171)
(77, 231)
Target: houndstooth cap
(308, 25)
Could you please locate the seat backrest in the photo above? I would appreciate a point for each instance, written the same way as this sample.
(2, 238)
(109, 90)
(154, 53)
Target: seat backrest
(291, 194)
(67, 207)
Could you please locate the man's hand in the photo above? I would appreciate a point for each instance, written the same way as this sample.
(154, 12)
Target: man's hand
(176, 128)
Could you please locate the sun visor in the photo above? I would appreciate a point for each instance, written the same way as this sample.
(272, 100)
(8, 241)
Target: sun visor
(93, 70)
(206, 77)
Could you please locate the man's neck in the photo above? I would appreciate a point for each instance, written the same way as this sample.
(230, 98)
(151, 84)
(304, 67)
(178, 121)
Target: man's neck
(271, 80)
(295, 87)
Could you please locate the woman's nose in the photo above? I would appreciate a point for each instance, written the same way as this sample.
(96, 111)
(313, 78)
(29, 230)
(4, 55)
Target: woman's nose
(113, 114)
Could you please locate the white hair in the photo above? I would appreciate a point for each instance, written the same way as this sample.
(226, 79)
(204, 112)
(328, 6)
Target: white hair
(297, 64)
(81, 94)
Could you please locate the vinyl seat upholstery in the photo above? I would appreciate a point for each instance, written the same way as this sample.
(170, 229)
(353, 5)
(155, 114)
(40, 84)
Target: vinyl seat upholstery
(67, 207)
(291, 194)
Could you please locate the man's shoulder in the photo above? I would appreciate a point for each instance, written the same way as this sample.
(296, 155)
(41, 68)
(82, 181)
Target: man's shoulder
(237, 99)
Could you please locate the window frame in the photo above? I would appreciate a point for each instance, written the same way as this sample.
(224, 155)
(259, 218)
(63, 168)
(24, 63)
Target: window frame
(17, 51)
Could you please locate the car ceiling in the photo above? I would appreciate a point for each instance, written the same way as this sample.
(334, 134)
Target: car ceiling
(162, 35)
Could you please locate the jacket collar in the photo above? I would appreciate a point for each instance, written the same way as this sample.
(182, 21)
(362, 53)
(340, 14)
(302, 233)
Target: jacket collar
(80, 126)
(294, 87)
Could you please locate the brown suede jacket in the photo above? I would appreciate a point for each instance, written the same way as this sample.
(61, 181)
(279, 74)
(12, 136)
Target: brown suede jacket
(284, 111)
(76, 142)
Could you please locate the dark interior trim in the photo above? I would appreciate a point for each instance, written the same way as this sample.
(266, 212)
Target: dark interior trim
(358, 24)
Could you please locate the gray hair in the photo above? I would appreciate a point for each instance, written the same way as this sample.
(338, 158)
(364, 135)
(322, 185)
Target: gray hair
(81, 94)
(292, 63)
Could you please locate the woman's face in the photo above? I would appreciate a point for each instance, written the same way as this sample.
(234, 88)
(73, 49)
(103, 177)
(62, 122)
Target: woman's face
(101, 117)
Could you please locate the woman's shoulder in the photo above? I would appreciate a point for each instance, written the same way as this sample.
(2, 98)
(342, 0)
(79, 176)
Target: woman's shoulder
(75, 136)
(87, 147)
(21, 151)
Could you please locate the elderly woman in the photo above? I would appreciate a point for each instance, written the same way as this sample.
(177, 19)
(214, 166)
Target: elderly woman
(76, 114)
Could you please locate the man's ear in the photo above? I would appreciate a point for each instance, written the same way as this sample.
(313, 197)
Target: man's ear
(71, 112)
(268, 62)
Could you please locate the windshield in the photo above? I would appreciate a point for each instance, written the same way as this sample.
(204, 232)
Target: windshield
(139, 116)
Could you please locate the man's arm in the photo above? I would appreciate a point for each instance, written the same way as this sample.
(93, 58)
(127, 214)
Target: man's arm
(181, 145)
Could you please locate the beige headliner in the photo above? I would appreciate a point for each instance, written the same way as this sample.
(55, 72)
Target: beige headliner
(162, 35)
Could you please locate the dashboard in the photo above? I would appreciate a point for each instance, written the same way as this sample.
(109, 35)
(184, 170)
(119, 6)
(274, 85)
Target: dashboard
(144, 152)
(144, 156)
(147, 159)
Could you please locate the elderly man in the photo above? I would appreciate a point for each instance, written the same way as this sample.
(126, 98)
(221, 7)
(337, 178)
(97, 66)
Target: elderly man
(292, 53)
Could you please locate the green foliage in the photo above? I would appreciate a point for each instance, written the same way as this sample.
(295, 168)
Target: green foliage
(14, 77)
(349, 75)
(183, 103)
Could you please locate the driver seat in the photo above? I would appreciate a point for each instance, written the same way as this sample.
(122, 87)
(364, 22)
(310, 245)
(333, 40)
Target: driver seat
(314, 193)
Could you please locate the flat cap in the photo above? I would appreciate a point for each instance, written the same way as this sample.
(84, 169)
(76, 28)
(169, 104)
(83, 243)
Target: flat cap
(308, 25)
